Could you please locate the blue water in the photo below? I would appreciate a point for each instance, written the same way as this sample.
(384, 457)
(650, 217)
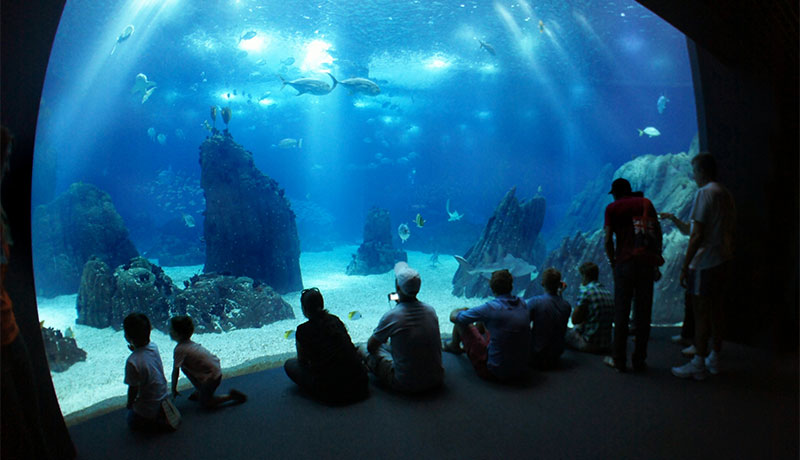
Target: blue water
(557, 101)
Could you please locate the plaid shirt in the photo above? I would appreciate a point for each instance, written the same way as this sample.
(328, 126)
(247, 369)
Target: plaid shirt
(599, 304)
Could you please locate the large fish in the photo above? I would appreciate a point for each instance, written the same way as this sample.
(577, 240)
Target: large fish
(361, 85)
(650, 131)
(661, 104)
(516, 266)
(310, 85)
(144, 86)
(487, 47)
(126, 34)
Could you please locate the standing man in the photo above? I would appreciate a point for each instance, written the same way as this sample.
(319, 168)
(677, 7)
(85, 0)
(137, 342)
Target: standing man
(634, 259)
(412, 362)
(706, 268)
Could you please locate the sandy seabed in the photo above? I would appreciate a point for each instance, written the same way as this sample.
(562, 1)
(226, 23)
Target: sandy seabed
(100, 377)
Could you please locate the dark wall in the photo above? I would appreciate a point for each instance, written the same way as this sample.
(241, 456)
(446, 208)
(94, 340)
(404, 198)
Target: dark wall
(27, 28)
(745, 69)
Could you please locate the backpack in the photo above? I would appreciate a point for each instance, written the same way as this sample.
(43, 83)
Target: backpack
(647, 237)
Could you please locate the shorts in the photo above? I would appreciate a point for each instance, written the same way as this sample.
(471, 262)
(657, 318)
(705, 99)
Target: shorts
(708, 282)
(476, 346)
(205, 390)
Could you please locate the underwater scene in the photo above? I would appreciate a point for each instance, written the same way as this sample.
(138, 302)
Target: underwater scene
(215, 158)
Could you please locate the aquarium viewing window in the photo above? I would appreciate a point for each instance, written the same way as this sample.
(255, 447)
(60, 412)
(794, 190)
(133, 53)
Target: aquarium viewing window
(216, 158)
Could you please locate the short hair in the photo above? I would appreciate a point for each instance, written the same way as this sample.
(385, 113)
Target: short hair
(502, 282)
(551, 280)
(704, 161)
(311, 301)
(589, 270)
(183, 326)
(137, 329)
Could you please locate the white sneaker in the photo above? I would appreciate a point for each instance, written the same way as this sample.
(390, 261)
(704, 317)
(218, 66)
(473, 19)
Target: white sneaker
(712, 363)
(696, 369)
(689, 351)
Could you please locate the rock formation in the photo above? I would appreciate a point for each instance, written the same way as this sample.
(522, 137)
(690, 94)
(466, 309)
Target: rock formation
(105, 299)
(216, 302)
(95, 294)
(220, 303)
(80, 223)
(666, 180)
(376, 254)
(249, 226)
(62, 352)
(513, 229)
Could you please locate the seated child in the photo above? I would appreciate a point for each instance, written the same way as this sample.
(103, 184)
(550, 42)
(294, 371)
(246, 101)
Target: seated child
(148, 400)
(593, 316)
(199, 365)
(328, 365)
(550, 315)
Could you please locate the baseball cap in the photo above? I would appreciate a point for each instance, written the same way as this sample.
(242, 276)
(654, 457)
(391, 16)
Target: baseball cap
(620, 187)
(408, 279)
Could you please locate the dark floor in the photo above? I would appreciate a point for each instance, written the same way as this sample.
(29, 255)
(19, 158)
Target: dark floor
(583, 410)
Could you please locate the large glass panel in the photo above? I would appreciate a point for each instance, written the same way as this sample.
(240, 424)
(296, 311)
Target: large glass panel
(462, 101)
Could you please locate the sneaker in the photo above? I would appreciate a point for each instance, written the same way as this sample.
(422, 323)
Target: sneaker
(712, 363)
(171, 412)
(609, 361)
(680, 340)
(238, 395)
(696, 369)
(689, 351)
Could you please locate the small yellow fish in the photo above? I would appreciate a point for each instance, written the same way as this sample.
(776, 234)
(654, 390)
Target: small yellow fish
(419, 220)
(541, 26)
(41, 324)
(289, 334)
(354, 315)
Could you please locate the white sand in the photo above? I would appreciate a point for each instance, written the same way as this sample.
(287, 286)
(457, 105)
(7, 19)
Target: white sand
(100, 377)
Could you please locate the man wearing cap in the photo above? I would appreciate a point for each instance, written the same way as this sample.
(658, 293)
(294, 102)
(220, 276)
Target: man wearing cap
(634, 269)
(412, 361)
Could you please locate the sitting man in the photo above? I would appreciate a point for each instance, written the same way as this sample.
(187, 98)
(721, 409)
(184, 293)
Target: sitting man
(550, 315)
(500, 350)
(412, 362)
(593, 316)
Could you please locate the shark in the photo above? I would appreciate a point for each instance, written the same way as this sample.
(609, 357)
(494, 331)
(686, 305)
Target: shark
(453, 216)
(515, 265)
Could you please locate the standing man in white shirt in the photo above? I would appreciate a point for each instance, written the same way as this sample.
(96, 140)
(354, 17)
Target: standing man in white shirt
(706, 268)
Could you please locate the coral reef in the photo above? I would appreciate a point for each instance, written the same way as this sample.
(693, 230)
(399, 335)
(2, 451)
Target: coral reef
(249, 226)
(105, 299)
(62, 352)
(513, 229)
(376, 254)
(216, 302)
(80, 223)
(219, 303)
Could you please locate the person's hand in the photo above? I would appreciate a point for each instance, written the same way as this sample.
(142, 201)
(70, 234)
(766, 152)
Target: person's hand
(683, 278)
(666, 215)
